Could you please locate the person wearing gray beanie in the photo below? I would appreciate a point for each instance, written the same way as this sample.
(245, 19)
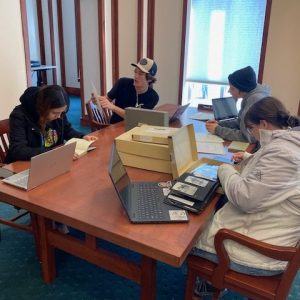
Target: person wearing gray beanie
(242, 84)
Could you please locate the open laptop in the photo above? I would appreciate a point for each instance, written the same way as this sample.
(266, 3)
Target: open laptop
(174, 110)
(135, 116)
(224, 108)
(179, 111)
(143, 201)
(44, 167)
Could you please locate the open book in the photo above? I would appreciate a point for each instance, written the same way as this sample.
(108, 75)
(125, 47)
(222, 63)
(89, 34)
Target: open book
(82, 146)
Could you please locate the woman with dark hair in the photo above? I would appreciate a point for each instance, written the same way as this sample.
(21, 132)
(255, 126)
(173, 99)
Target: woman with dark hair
(40, 123)
(132, 92)
(263, 193)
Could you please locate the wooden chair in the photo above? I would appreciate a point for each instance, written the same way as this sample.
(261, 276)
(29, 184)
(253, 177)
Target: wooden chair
(254, 287)
(98, 117)
(4, 131)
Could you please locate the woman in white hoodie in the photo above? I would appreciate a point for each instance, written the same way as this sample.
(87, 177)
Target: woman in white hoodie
(264, 195)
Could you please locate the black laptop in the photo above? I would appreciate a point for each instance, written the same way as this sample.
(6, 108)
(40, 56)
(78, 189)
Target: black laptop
(224, 108)
(143, 201)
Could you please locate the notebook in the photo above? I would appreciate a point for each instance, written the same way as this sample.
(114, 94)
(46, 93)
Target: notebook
(135, 116)
(224, 108)
(143, 201)
(44, 167)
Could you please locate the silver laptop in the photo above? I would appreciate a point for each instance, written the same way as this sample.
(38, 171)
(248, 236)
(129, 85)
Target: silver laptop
(179, 111)
(44, 167)
(135, 116)
(224, 108)
(143, 201)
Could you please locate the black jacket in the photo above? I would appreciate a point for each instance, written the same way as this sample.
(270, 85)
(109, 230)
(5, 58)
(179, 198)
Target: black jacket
(25, 137)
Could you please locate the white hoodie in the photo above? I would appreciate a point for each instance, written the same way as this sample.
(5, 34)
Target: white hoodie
(264, 200)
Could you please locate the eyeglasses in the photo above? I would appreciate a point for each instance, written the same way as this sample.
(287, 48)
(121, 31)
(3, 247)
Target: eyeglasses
(250, 129)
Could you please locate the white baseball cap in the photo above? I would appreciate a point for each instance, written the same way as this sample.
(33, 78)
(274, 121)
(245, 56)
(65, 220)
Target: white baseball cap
(147, 65)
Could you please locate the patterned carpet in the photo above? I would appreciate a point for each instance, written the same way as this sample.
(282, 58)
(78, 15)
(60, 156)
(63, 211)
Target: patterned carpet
(20, 273)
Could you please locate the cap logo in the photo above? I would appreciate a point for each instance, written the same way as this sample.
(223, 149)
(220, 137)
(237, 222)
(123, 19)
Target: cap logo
(143, 62)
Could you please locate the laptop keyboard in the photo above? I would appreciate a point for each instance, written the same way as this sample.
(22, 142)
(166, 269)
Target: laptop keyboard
(149, 202)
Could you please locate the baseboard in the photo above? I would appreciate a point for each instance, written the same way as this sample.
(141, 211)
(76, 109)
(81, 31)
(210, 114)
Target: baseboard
(73, 91)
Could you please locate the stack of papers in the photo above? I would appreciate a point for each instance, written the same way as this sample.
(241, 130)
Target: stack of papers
(209, 143)
(202, 116)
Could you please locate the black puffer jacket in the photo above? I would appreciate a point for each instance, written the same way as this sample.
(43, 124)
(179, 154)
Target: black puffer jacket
(25, 138)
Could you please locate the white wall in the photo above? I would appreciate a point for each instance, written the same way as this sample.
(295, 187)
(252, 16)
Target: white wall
(127, 37)
(68, 11)
(90, 46)
(282, 64)
(167, 47)
(12, 59)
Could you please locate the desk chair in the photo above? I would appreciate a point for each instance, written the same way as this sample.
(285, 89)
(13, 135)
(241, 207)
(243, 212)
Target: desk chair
(4, 131)
(254, 287)
(98, 118)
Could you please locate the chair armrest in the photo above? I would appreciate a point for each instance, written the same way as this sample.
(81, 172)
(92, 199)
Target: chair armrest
(275, 252)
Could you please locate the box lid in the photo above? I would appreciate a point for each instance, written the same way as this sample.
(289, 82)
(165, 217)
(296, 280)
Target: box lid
(124, 143)
(183, 150)
(153, 134)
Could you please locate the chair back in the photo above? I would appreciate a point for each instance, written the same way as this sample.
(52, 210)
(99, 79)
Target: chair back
(98, 117)
(4, 131)
(254, 287)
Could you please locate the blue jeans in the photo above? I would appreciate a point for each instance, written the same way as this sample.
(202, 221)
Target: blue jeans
(234, 266)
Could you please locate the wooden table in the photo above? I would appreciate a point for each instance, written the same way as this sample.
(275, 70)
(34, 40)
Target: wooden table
(85, 199)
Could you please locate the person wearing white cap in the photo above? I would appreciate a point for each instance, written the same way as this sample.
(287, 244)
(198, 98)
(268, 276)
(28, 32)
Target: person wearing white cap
(132, 92)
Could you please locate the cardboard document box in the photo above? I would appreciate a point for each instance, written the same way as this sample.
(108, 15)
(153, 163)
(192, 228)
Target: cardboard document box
(153, 134)
(146, 155)
(183, 152)
(176, 157)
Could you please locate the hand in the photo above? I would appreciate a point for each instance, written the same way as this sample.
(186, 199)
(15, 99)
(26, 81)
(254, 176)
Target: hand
(238, 157)
(90, 138)
(105, 103)
(75, 156)
(211, 126)
(94, 98)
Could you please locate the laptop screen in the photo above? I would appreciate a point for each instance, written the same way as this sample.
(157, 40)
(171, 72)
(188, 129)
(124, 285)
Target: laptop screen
(134, 116)
(119, 176)
(224, 108)
(180, 110)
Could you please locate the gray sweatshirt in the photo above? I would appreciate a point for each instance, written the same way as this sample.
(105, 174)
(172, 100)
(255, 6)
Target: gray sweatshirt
(235, 130)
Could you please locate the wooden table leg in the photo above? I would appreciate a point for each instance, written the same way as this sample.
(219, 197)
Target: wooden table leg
(35, 232)
(148, 278)
(47, 253)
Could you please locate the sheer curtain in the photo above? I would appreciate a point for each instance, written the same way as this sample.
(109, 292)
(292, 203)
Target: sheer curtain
(223, 36)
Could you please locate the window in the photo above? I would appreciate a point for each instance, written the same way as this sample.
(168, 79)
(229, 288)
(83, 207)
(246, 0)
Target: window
(222, 36)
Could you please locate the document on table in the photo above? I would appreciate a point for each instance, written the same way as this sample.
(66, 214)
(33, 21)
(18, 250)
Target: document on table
(202, 116)
(208, 138)
(209, 143)
(207, 147)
